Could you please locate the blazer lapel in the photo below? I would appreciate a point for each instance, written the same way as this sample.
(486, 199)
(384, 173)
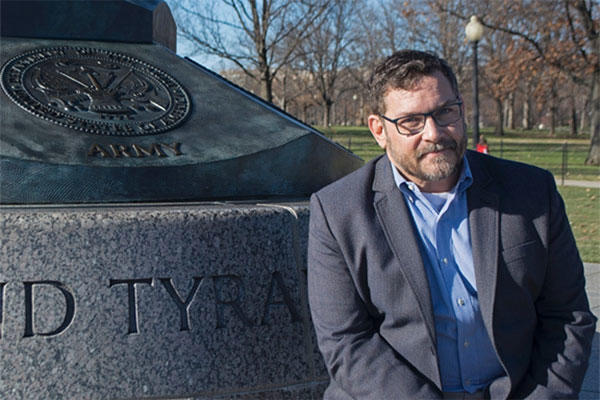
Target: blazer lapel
(484, 215)
(400, 233)
(396, 220)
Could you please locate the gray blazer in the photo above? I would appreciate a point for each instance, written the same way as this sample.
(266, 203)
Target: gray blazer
(370, 299)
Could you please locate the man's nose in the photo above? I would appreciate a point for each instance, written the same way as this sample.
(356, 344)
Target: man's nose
(432, 131)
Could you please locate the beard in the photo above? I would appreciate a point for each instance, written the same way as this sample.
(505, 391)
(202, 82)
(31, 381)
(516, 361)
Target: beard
(422, 166)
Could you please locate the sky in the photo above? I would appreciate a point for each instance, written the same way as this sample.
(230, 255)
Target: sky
(185, 48)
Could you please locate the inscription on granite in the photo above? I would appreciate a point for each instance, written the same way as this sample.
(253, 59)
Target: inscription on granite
(114, 150)
(29, 300)
(96, 91)
(1, 305)
(228, 292)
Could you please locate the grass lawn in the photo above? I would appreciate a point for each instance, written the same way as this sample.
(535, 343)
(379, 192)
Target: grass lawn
(583, 209)
(532, 147)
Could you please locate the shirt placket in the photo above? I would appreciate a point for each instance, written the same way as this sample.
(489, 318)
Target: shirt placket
(455, 293)
(462, 304)
(460, 299)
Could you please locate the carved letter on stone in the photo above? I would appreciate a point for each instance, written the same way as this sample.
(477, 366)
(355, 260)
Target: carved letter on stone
(69, 312)
(183, 306)
(220, 282)
(132, 299)
(96, 149)
(1, 305)
(141, 151)
(174, 147)
(285, 294)
(119, 150)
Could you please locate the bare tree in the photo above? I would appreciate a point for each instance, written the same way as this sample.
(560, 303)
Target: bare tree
(564, 35)
(325, 53)
(385, 26)
(259, 37)
(501, 74)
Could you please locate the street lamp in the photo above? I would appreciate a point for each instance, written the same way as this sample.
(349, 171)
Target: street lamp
(474, 32)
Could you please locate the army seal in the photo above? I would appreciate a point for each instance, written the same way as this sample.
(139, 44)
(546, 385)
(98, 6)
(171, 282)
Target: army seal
(95, 91)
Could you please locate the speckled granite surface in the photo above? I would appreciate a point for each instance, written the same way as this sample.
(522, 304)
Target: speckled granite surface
(181, 301)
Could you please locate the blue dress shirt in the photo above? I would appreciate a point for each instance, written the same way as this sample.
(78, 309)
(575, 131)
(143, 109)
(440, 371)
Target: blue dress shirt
(466, 356)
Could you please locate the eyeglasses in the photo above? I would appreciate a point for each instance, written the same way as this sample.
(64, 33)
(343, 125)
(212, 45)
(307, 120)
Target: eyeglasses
(415, 123)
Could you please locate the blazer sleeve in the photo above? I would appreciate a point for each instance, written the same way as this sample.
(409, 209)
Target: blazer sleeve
(358, 359)
(565, 326)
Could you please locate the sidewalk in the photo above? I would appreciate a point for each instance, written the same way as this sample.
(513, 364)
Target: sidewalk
(570, 182)
(591, 384)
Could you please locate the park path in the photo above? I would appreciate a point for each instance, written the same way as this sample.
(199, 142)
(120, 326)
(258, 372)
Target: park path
(570, 182)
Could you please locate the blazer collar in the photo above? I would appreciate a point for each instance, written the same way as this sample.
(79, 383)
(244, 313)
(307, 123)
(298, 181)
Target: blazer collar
(484, 224)
(394, 216)
(396, 222)
(383, 179)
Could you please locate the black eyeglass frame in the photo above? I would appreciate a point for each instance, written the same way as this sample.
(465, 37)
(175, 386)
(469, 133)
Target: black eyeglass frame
(425, 115)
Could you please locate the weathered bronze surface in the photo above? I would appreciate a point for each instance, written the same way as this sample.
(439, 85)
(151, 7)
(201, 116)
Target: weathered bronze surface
(95, 91)
(100, 121)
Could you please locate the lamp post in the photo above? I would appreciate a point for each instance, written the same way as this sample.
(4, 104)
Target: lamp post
(474, 32)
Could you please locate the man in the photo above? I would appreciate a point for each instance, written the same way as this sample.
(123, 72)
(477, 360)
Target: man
(436, 272)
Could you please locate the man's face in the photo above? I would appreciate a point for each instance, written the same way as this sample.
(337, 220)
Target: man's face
(431, 159)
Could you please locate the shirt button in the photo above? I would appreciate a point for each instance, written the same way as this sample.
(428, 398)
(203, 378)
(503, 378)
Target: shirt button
(466, 344)
(445, 260)
(411, 199)
(461, 301)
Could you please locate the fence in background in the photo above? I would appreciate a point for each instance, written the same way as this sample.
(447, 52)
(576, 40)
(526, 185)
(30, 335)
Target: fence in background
(564, 160)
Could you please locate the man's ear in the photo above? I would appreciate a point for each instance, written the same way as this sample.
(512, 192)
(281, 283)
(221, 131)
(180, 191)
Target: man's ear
(377, 129)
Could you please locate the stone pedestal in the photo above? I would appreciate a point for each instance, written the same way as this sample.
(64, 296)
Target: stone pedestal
(179, 301)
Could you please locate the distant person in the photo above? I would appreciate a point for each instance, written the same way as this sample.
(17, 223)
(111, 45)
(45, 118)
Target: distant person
(439, 272)
(482, 145)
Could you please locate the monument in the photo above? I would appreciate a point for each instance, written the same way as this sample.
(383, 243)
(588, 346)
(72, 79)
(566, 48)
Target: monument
(127, 120)
(153, 216)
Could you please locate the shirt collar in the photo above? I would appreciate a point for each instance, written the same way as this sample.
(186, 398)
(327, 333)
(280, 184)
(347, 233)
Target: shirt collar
(464, 181)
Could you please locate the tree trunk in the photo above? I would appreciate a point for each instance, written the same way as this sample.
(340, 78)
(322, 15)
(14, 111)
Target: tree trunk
(526, 117)
(509, 112)
(284, 102)
(266, 90)
(583, 117)
(362, 111)
(512, 111)
(593, 157)
(526, 121)
(499, 129)
(553, 110)
(573, 119)
(266, 83)
(327, 114)
(333, 117)
(345, 121)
